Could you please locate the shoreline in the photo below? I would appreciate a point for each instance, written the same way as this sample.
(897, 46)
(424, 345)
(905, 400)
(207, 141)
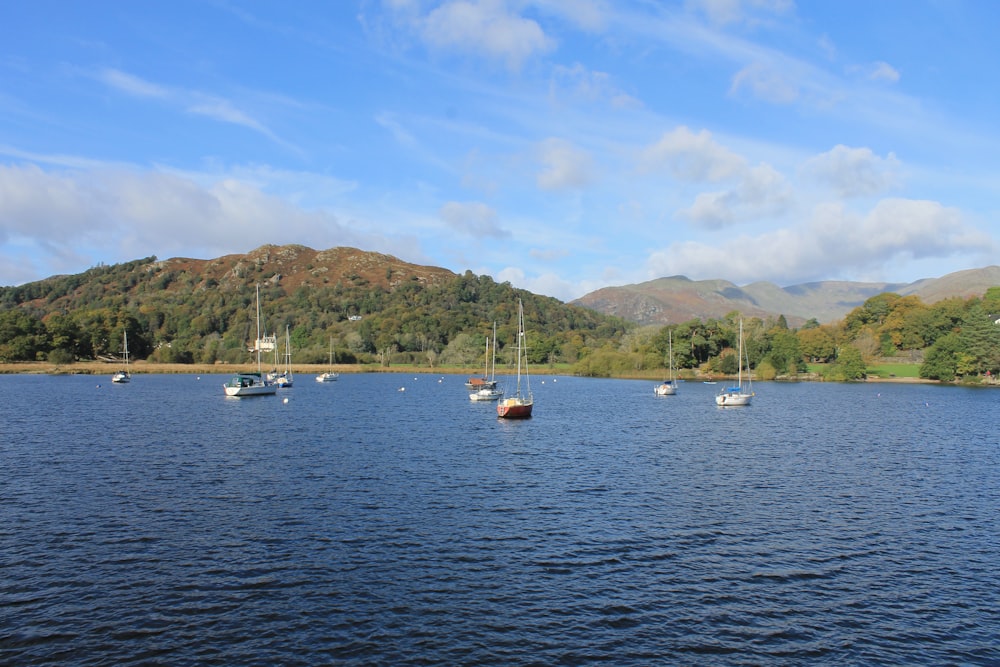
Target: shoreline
(149, 368)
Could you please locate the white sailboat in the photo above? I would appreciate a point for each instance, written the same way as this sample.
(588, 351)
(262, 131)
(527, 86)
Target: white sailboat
(123, 375)
(669, 386)
(284, 380)
(330, 375)
(490, 391)
(251, 384)
(739, 394)
(520, 405)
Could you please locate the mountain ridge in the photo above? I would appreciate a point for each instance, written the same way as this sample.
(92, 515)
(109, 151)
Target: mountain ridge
(676, 299)
(666, 300)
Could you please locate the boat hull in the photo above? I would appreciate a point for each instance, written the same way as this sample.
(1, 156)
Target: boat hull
(486, 395)
(514, 408)
(665, 389)
(121, 377)
(249, 385)
(327, 377)
(733, 399)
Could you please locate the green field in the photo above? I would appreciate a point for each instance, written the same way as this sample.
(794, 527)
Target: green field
(888, 370)
(895, 370)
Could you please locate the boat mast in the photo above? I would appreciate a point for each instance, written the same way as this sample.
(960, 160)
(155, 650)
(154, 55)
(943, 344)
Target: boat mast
(670, 347)
(739, 360)
(520, 335)
(257, 345)
(493, 376)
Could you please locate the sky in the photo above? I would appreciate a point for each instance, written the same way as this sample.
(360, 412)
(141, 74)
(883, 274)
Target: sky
(559, 145)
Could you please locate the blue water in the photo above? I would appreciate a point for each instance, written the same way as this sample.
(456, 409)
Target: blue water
(162, 523)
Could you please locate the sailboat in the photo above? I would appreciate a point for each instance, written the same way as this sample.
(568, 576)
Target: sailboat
(251, 384)
(284, 380)
(669, 386)
(477, 383)
(123, 375)
(738, 394)
(330, 375)
(489, 392)
(519, 405)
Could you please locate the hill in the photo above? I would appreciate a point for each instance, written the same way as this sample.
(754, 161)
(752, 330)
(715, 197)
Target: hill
(679, 299)
(201, 310)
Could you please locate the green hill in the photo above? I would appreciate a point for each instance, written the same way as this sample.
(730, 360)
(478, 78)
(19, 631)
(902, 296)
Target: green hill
(372, 305)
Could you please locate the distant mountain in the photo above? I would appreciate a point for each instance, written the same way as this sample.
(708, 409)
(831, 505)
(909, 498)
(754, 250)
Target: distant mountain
(679, 299)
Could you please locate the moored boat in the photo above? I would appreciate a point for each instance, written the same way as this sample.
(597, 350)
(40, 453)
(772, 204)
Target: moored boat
(330, 375)
(124, 375)
(253, 383)
(739, 394)
(669, 386)
(491, 391)
(521, 404)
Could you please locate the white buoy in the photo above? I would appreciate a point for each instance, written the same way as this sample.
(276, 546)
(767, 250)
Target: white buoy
(285, 400)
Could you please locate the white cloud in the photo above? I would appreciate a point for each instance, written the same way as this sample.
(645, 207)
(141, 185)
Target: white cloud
(565, 166)
(881, 71)
(191, 101)
(765, 83)
(835, 242)
(484, 28)
(761, 192)
(547, 283)
(399, 133)
(580, 83)
(692, 157)
(116, 214)
(132, 85)
(854, 172)
(723, 12)
(62, 207)
(588, 15)
(474, 219)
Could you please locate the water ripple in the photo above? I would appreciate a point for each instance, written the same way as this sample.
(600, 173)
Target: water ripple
(829, 524)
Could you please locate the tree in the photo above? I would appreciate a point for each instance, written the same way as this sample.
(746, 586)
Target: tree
(817, 344)
(785, 354)
(850, 365)
(941, 360)
(979, 339)
(22, 337)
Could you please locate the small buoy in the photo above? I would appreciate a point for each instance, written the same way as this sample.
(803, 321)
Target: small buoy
(285, 400)
(98, 386)
(402, 388)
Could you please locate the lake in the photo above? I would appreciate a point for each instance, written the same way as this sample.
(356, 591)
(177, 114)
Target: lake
(386, 519)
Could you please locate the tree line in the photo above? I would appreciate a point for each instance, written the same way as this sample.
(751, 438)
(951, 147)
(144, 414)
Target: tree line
(180, 317)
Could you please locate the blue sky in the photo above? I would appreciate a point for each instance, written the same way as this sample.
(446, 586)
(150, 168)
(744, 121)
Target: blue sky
(560, 145)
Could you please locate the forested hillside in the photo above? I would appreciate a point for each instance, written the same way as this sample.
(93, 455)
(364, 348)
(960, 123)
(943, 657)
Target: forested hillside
(370, 305)
(378, 309)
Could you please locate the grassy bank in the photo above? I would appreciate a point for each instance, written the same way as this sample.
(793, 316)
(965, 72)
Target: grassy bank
(883, 372)
(144, 367)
